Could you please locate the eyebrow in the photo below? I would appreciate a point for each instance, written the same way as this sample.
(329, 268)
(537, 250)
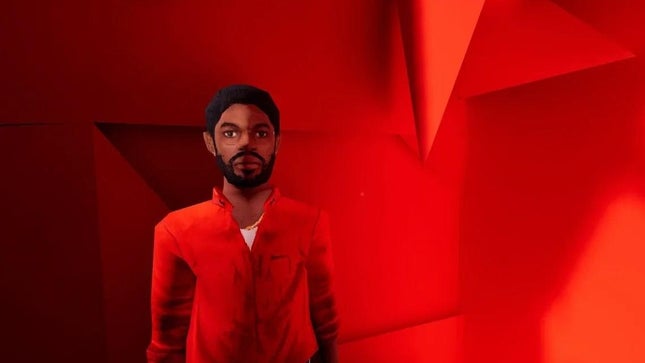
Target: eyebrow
(229, 124)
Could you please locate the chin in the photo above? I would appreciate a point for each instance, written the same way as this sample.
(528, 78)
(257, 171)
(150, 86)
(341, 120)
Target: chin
(248, 176)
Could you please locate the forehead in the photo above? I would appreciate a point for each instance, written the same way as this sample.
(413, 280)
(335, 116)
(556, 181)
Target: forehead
(243, 116)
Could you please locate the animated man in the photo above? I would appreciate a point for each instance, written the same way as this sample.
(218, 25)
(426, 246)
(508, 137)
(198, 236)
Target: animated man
(247, 276)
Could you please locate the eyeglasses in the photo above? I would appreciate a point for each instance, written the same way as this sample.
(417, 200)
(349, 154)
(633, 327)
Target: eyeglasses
(233, 136)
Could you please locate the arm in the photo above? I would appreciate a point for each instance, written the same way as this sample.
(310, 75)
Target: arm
(173, 286)
(322, 302)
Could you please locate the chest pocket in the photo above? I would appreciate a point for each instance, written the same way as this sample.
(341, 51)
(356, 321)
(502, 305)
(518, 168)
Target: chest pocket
(279, 267)
(280, 275)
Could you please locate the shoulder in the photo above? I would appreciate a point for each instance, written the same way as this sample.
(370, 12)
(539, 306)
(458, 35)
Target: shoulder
(297, 211)
(184, 218)
(298, 207)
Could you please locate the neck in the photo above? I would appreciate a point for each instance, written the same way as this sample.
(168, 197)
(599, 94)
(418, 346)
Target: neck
(234, 194)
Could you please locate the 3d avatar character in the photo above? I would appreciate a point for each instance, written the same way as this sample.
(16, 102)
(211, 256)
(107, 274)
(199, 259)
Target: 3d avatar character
(248, 275)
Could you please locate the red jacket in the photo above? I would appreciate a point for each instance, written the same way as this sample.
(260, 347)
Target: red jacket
(216, 301)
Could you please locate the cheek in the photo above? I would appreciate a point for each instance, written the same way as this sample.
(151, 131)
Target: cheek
(267, 152)
(225, 150)
(226, 156)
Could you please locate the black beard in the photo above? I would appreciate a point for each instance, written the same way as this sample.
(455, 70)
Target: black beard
(240, 181)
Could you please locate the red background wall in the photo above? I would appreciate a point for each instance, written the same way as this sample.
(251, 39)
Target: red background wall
(482, 162)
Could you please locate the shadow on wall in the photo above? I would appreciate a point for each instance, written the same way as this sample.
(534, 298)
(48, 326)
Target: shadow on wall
(599, 316)
(540, 160)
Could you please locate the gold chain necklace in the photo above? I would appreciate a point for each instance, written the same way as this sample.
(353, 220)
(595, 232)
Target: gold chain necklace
(248, 228)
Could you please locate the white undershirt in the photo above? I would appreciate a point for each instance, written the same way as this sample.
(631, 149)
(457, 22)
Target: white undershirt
(249, 235)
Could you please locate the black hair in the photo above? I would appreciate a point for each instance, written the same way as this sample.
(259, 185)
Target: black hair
(243, 94)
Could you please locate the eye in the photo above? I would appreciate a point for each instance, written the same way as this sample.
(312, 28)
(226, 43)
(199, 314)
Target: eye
(229, 133)
(262, 134)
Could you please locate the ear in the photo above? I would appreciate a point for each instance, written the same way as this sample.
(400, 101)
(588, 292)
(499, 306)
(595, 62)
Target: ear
(277, 144)
(210, 143)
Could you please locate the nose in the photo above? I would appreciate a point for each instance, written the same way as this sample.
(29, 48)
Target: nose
(245, 141)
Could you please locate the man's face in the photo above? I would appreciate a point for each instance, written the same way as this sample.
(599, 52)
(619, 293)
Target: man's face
(244, 145)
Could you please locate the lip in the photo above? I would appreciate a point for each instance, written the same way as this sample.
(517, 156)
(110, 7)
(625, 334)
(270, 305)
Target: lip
(247, 161)
(247, 164)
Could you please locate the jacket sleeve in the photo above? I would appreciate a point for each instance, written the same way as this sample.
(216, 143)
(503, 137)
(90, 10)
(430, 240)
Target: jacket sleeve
(173, 286)
(322, 301)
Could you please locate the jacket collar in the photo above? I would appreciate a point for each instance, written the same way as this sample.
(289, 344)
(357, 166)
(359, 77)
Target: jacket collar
(221, 201)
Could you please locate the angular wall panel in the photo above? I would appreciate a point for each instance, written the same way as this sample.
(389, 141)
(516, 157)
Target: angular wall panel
(519, 41)
(436, 35)
(172, 160)
(393, 223)
(540, 161)
(128, 211)
(621, 20)
(599, 315)
(439, 341)
(50, 274)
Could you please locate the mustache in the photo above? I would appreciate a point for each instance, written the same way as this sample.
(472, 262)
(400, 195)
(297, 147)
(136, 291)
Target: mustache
(247, 153)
